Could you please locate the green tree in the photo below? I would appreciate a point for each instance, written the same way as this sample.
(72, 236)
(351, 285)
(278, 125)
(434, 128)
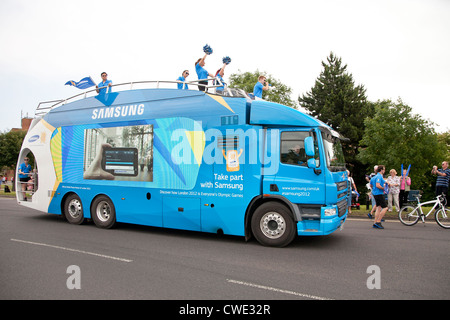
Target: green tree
(444, 138)
(337, 101)
(279, 92)
(10, 144)
(395, 136)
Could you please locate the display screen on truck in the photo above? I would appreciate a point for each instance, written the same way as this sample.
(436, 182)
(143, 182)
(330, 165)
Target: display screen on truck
(120, 161)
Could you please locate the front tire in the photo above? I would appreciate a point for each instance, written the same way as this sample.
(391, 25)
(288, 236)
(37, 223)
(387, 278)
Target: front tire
(408, 215)
(273, 225)
(103, 212)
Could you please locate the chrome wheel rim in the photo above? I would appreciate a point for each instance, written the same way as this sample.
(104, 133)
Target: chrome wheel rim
(103, 211)
(74, 208)
(273, 225)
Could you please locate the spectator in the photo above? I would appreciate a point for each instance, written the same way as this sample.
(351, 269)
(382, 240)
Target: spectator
(372, 199)
(352, 188)
(443, 177)
(394, 189)
(377, 184)
(24, 176)
(405, 186)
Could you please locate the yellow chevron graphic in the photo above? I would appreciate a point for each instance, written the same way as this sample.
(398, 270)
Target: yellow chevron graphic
(222, 101)
(56, 150)
(197, 141)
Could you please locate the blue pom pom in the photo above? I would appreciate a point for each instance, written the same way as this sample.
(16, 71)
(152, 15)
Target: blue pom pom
(207, 49)
(226, 60)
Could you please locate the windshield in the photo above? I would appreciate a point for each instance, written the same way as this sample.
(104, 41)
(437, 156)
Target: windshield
(333, 152)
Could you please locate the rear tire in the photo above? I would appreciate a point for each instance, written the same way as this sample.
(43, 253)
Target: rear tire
(103, 212)
(273, 225)
(443, 218)
(73, 209)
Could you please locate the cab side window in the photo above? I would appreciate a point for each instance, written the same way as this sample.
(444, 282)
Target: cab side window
(293, 148)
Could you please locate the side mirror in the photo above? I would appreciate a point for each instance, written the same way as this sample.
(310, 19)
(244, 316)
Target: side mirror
(312, 163)
(309, 147)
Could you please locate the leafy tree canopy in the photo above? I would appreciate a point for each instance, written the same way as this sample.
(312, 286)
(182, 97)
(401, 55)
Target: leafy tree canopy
(10, 144)
(336, 100)
(278, 92)
(395, 136)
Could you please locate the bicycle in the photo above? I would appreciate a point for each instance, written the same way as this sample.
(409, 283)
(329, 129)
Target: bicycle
(410, 215)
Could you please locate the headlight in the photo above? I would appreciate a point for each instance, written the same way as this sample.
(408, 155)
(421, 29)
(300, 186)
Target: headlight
(330, 212)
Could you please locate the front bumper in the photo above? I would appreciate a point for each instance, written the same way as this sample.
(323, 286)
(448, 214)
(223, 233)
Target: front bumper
(320, 227)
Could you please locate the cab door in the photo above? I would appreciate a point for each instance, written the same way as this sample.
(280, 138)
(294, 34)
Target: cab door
(294, 180)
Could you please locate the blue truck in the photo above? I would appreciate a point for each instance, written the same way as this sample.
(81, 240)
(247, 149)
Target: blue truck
(188, 159)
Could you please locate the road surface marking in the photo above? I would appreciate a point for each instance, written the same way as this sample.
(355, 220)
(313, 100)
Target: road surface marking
(253, 285)
(72, 250)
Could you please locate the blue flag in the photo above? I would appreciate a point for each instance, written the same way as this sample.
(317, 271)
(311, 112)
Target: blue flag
(82, 84)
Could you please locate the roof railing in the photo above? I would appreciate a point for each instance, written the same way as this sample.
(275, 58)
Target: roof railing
(46, 106)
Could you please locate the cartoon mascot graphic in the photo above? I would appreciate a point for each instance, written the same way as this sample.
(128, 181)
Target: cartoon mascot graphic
(232, 158)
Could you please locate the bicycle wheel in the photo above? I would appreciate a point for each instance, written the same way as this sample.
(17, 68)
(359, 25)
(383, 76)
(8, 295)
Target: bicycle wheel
(408, 215)
(443, 218)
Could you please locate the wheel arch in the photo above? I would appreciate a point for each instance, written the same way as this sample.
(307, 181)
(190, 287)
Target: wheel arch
(63, 200)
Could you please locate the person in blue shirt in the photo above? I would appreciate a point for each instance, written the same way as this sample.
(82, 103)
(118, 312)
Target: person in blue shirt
(202, 73)
(219, 75)
(105, 83)
(261, 85)
(24, 176)
(182, 78)
(377, 183)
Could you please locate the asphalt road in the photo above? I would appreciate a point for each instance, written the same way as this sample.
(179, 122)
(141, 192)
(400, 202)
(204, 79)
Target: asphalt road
(38, 253)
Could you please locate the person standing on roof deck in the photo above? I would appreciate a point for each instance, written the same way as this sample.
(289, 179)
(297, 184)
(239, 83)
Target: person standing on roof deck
(261, 85)
(202, 73)
(183, 86)
(105, 83)
(219, 75)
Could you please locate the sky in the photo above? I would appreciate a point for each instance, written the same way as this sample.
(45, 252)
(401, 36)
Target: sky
(395, 48)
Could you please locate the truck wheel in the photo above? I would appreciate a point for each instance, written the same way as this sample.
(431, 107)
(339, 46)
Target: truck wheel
(73, 209)
(103, 212)
(273, 225)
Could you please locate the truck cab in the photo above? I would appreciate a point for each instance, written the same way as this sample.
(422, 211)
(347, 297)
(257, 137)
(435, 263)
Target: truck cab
(311, 179)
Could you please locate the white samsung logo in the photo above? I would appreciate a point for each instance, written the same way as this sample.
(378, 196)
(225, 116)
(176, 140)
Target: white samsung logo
(116, 112)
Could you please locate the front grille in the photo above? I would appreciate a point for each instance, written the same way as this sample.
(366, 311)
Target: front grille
(341, 185)
(342, 207)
